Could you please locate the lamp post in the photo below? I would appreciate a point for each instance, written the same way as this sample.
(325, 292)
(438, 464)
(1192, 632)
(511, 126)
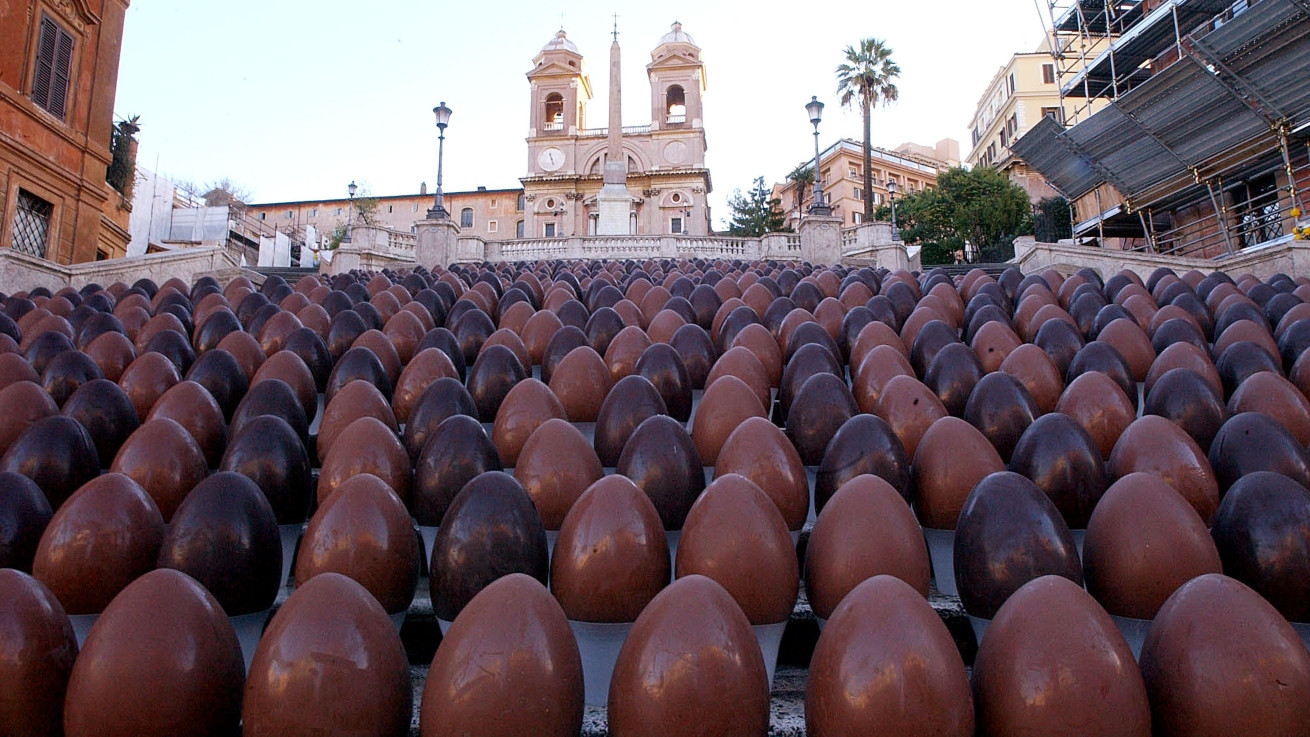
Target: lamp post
(438, 211)
(351, 189)
(815, 109)
(891, 193)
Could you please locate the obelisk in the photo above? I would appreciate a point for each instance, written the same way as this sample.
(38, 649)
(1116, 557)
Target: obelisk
(614, 204)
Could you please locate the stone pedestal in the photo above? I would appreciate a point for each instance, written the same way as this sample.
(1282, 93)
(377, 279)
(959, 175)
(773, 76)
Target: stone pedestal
(437, 242)
(821, 240)
(614, 203)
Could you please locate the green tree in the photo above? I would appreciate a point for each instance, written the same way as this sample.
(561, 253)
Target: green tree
(121, 173)
(979, 207)
(803, 176)
(868, 76)
(755, 213)
(1051, 220)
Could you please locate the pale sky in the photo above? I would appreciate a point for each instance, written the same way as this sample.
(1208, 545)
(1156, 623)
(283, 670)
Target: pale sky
(293, 100)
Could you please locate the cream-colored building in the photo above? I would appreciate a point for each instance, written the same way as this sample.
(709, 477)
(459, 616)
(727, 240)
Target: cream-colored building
(910, 165)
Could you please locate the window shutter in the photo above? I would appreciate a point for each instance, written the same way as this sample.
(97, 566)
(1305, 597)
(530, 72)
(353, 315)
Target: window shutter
(63, 72)
(45, 61)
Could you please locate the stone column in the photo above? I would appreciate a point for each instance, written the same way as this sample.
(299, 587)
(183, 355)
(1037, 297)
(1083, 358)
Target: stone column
(821, 240)
(437, 243)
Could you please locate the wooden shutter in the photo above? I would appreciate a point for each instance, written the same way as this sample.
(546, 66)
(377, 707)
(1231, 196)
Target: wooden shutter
(54, 68)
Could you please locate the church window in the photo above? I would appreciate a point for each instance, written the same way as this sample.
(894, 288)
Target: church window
(676, 105)
(550, 230)
(554, 112)
(675, 225)
(466, 218)
(518, 229)
(54, 68)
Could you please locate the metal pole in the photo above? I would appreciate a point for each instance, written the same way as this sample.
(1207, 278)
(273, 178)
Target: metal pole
(438, 211)
(1221, 214)
(350, 214)
(896, 236)
(819, 207)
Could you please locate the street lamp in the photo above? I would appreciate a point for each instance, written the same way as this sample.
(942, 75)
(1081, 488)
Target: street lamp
(438, 211)
(891, 193)
(815, 109)
(351, 189)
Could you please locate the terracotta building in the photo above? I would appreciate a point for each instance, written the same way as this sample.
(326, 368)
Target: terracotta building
(58, 78)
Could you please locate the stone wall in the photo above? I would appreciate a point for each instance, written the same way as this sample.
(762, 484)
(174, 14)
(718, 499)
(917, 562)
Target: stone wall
(19, 271)
(1286, 256)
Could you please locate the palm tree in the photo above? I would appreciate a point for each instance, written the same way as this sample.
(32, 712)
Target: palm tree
(803, 176)
(868, 75)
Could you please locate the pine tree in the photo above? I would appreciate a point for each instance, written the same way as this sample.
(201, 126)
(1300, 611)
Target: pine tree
(755, 213)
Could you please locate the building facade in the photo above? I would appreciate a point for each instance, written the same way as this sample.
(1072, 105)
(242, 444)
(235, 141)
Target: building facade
(58, 77)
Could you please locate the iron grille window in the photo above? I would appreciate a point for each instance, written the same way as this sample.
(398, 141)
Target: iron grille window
(32, 224)
(54, 67)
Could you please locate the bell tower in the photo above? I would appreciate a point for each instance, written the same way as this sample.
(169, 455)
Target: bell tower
(677, 81)
(560, 90)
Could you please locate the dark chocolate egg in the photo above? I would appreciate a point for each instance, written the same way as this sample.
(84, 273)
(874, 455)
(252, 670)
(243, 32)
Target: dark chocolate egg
(162, 656)
(1219, 660)
(822, 405)
(1271, 394)
(629, 403)
(531, 671)
(1156, 445)
(581, 381)
(57, 453)
(690, 665)
(288, 368)
(1144, 541)
(952, 375)
(557, 464)
(444, 398)
(1001, 408)
(1252, 441)
(1241, 361)
(363, 531)
(494, 374)
(601, 328)
(951, 459)
(760, 451)
(1260, 530)
(1095, 402)
(1008, 534)
(368, 446)
(735, 535)
(146, 380)
(270, 453)
(37, 650)
(1064, 461)
(864, 444)
(1053, 662)
(426, 367)
(193, 407)
(103, 538)
(330, 660)
(24, 514)
(662, 460)
(527, 405)
(1061, 341)
(866, 529)
(165, 460)
(226, 537)
(457, 450)
(220, 374)
(1185, 398)
(355, 400)
(358, 364)
(23, 404)
(68, 371)
(490, 530)
(727, 403)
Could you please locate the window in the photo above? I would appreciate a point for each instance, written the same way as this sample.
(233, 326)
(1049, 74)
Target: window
(1048, 73)
(1053, 112)
(675, 107)
(1005, 138)
(466, 218)
(518, 229)
(390, 208)
(1011, 83)
(519, 205)
(492, 226)
(853, 171)
(32, 224)
(859, 193)
(550, 230)
(856, 217)
(54, 68)
(554, 112)
(313, 212)
(261, 215)
(291, 214)
(675, 225)
(413, 207)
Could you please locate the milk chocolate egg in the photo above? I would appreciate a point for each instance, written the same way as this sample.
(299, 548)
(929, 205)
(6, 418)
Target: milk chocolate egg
(531, 680)
(1155, 445)
(1053, 662)
(330, 660)
(444, 398)
(165, 460)
(864, 444)
(226, 537)
(622, 354)
(629, 403)
(191, 406)
(1252, 441)
(1144, 541)
(810, 360)
(1219, 660)
(910, 408)
(736, 536)
(22, 404)
(103, 538)
(823, 404)
(952, 457)
(24, 514)
(368, 446)
(37, 651)
(1260, 531)
(992, 342)
(363, 531)
(690, 664)
(581, 381)
(457, 450)
(1038, 373)
(1008, 534)
(291, 370)
(1096, 403)
(866, 529)
(662, 460)
(871, 679)
(527, 405)
(57, 453)
(879, 366)
(423, 369)
(162, 655)
(146, 379)
(1064, 461)
(270, 453)
(726, 404)
(557, 464)
(15, 368)
(1272, 395)
(538, 331)
(758, 450)
(490, 530)
(245, 350)
(1131, 342)
(611, 557)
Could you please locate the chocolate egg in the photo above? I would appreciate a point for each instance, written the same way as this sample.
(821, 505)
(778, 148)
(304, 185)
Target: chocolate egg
(165, 460)
(952, 457)
(37, 651)
(146, 380)
(444, 341)
(1095, 403)
(601, 328)
(557, 464)
(1276, 397)
(909, 408)
(527, 405)
(1185, 398)
(1054, 662)
(1144, 541)
(664, 368)
(1038, 373)
(358, 364)
(494, 374)
(1156, 445)
(355, 400)
(444, 398)
(68, 371)
(490, 530)
(426, 367)
(581, 381)
(662, 460)
(1008, 534)
(270, 453)
(1252, 441)
(191, 406)
(103, 538)
(370, 447)
(952, 375)
(1001, 408)
(992, 342)
(823, 404)
(758, 450)
(1064, 461)
(864, 444)
(24, 404)
(622, 354)
(611, 557)
(220, 374)
(1219, 660)
(363, 531)
(757, 340)
(809, 360)
(330, 659)
(726, 404)
(24, 514)
(288, 368)
(1131, 342)
(1061, 341)
(225, 536)
(629, 403)
(14, 368)
(457, 451)
(878, 367)
(1260, 531)
(245, 350)
(735, 535)
(161, 655)
(866, 530)
(55, 452)
(690, 664)
(531, 681)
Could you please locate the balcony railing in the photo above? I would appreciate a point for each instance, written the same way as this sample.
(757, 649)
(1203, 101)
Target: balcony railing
(628, 130)
(675, 119)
